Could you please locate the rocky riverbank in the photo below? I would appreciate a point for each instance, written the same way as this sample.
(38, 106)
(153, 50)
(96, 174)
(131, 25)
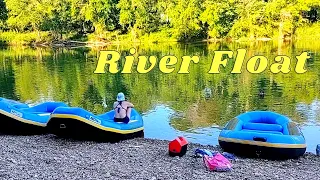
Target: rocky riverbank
(49, 157)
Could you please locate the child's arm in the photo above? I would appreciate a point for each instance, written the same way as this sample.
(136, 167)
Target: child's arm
(130, 105)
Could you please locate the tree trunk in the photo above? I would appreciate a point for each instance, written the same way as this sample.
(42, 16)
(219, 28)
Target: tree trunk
(39, 37)
(281, 35)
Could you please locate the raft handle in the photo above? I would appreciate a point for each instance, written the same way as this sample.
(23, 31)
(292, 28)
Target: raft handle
(63, 126)
(259, 139)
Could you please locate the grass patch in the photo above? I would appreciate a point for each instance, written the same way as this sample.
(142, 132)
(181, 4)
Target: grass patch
(14, 38)
(309, 32)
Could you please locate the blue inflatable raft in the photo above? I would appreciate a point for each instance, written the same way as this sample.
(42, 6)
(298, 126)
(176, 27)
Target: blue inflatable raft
(78, 123)
(264, 134)
(19, 118)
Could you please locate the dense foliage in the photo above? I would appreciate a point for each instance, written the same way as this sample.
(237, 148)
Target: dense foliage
(178, 19)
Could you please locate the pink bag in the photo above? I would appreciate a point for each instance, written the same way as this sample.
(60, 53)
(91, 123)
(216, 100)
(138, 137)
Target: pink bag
(217, 163)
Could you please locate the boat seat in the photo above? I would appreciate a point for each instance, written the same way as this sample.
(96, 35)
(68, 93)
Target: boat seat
(43, 114)
(131, 121)
(263, 127)
(257, 131)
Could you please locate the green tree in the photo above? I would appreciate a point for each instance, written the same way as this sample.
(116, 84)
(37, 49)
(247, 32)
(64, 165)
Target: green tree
(26, 15)
(103, 14)
(3, 14)
(147, 15)
(126, 18)
(59, 18)
(252, 20)
(3, 11)
(140, 16)
(286, 15)
(179, 19)
(219, 16)
(184, 18)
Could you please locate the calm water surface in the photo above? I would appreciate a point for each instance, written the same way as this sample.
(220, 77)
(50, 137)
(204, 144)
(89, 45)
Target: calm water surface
(193, 105)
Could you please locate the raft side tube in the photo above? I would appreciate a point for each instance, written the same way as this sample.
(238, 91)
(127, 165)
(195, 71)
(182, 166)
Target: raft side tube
(78, 123)
(19, 118)
(250, 150)
(263, 133)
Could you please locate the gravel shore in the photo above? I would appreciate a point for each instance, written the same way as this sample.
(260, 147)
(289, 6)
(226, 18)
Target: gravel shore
(49, 157)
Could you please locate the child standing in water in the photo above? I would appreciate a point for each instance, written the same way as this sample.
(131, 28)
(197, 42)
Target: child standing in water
(122, 109)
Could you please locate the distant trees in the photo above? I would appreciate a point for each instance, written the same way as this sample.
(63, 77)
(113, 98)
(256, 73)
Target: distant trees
(186, 19)
(219, 17)
(3, 11)
(3, 14)
(139, 16)
(24, 15)
(104, 14)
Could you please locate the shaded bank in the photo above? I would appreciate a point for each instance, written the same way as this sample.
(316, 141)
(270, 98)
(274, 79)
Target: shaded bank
(46, 39)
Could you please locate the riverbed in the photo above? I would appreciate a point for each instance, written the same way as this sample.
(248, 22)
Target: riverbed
(49, 157)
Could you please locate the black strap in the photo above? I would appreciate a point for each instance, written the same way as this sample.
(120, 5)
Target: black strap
(120, 103)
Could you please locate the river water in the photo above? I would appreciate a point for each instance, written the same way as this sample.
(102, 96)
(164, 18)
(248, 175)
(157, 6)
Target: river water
(194, 105)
